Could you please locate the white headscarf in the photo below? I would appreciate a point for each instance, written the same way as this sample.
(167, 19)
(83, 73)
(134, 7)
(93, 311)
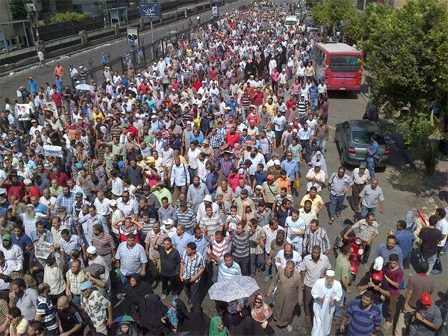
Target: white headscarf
(323, 163)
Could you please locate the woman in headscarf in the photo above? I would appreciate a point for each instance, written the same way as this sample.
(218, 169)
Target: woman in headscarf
(257, 324)
(183, 316)
(152, 315)
(136, 290)
(217, 327)
(318, 157)
(200, 322)
(128, 329)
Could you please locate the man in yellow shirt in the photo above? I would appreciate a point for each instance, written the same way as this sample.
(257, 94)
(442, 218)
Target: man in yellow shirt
(316, 200)
(270, 107)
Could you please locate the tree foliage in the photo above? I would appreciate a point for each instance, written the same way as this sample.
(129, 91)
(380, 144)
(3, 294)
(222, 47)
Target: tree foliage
(18, 10)
(68, 17)
(333, 11)
(407, 57)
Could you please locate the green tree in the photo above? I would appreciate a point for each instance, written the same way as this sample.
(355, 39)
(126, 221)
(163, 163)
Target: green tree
(408, 64)
(18, 10)
(333, 11)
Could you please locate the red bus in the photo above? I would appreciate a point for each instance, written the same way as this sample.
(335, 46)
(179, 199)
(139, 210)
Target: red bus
(338, 63)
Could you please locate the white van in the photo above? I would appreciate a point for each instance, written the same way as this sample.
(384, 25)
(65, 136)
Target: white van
(291, 20)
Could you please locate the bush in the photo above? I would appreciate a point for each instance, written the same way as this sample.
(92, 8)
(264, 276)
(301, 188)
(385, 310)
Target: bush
(68, 17)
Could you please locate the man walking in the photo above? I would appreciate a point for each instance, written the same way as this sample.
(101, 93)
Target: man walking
(360, 178)
(338, 185)
(372, 155)
(286, 284)
(327, 292)
(369, 199)
(191, 268)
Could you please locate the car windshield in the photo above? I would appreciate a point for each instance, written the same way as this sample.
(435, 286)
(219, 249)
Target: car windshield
(345, 62)
(363, 137)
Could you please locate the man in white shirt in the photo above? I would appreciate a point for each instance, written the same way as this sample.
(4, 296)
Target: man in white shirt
(193, 158)
(316, 177)
(102, 206)
(286, 254)
(360, 177)
(442, 225)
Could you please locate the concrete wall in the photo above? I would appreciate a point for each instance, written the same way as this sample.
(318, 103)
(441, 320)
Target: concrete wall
(5, 11)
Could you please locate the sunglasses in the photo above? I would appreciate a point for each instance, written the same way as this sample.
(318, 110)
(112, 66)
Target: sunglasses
(258, 302)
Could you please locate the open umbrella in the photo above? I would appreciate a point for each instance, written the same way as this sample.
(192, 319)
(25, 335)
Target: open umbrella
(124, 319)
(83, 87)
(237, 287)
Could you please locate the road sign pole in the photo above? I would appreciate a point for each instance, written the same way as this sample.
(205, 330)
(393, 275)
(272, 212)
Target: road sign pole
(152, 32)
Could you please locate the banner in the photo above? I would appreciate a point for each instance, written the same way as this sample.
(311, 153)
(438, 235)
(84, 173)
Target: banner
(43, 249)
(150, 10)
(55, 151)
(133, 39)
(23, 112)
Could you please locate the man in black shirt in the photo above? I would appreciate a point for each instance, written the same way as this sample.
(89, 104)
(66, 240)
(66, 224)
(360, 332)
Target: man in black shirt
(169, 268)
(70, 318)
(431, 237)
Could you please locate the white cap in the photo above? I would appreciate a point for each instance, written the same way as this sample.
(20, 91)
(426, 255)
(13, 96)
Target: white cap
(277, 162)
(27, 182)
(317, 164)
(113, 203)
(168, 221)
(208, 198)
(330, 273)
(17, 267)
(91, 250)
(378, 264)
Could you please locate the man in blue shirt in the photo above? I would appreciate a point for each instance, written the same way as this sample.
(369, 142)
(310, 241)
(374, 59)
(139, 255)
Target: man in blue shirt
(33, 85)
(313, 92)
(405, 241)
(390, 247)
(372, 154)
(181, 239)
(292, 168)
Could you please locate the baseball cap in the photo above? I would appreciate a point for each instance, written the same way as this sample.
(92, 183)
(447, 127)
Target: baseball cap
(146, 187)
(168, 221)
(426, 299)
(61, 208)
(261, 204)
(78, 194)
(85, 285)
(378, 263)
(363, 165)
(277, 162)
(27, 182)
(259, 187)
(151, 160)
(244, 192)
(248, 162)
(270, 177)
(113, 203)
(91, 250)
(208, 198)
(6, 236)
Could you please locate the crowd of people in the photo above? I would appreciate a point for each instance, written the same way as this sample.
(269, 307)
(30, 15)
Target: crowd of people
(187, 174)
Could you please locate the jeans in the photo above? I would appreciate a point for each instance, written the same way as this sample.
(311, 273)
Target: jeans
(268, 272)
(306, 146)
(124, 279)
(371, 167)
(336, 203)
(365, 211)
(192, 173)
(76, 299)
(431, 262)
(256, 262)
(380, 306)
(319, 145)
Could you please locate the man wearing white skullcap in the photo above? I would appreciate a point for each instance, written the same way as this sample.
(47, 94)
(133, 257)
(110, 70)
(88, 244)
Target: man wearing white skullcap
(326, 293)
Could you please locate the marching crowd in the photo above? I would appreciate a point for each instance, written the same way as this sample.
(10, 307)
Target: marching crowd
(187, 174)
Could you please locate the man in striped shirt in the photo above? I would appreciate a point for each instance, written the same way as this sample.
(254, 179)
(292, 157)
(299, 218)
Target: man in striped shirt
(240, 248)
(45, 311)
(220, 245)
(227, 267)
(191, 269)
(186, 217)
(364, 316)
(210, 223)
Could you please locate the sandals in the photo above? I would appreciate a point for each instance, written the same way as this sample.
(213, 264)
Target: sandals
(331, 221)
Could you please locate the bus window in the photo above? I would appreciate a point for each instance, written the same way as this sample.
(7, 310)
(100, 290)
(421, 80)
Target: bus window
(345, 63)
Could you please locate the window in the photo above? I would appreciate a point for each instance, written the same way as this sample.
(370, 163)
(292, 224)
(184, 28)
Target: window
(363, 137)
(350, 63)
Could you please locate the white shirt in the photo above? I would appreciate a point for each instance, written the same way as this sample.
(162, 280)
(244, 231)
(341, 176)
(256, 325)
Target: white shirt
(193, 157)
(117, 186)
(280, 260)
(6, 270)
(442, 225)
(307, 217)
(320, 176)
(102, 207)
(270, 236)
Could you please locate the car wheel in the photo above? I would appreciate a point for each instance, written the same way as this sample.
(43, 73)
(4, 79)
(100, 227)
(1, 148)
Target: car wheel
(343, 163)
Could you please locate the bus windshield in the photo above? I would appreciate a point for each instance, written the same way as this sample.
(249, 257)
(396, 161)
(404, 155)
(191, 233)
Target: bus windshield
(350, 63)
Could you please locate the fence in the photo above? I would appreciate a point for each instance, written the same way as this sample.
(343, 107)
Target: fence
(140, 58)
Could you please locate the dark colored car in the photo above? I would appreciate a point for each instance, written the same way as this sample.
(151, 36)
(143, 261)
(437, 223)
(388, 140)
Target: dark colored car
(353, 140)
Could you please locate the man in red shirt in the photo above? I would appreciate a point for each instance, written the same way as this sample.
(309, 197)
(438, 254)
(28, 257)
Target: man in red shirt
(57, 98)
(58, 176)
(30, 191)
(13, 186)
(232, 137)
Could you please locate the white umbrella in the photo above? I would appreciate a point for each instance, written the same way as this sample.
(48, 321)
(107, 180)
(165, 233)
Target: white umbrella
(237, 287)
(84, 87)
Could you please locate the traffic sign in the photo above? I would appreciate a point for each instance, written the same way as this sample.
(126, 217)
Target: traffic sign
(150, 10)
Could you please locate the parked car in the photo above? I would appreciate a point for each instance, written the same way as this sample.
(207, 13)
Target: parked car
(353, 139)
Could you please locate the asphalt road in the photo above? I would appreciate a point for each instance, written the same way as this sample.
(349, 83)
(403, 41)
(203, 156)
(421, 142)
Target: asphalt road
(9, 84)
